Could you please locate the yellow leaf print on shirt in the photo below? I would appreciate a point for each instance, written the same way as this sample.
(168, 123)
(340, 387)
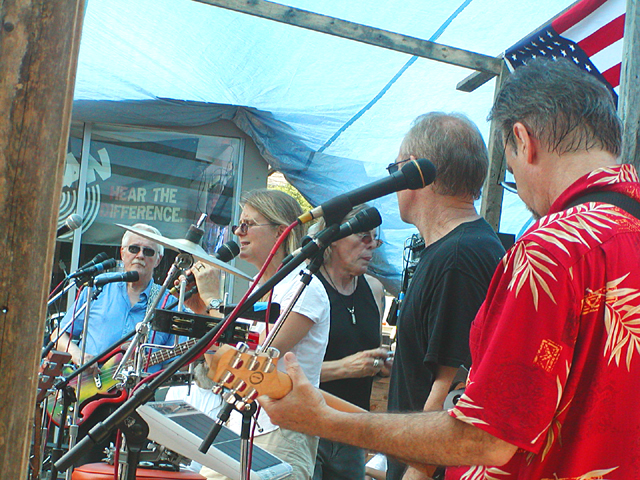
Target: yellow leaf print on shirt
(622, 322)
(592, 475)
(484, 473)
(532, 264)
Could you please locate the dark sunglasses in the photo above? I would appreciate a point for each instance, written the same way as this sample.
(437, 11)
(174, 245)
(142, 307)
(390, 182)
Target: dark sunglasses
(394, 167)
(244, 227)
(146, 251)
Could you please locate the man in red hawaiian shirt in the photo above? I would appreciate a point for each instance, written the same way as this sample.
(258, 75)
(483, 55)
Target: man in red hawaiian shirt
(556, 345)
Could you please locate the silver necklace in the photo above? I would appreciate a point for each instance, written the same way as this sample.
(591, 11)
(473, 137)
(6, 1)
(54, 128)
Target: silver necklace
(352, 309)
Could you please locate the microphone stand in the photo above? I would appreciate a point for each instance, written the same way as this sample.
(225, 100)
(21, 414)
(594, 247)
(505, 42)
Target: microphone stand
(69, 397)
(100, 431)
(232, 400)
(73, 428)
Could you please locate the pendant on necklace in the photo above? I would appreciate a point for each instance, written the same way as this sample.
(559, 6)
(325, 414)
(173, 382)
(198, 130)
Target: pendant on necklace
(352, 311)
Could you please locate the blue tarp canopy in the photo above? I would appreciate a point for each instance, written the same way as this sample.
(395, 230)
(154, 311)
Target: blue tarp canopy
(328, 112)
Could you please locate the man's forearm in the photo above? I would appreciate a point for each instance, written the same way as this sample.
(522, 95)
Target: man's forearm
(433, 438)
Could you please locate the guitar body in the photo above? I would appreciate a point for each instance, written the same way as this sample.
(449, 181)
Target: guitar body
(93, 392)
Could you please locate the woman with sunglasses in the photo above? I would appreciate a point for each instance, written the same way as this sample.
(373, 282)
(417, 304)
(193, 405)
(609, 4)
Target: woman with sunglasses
(354, 355)
(265, 215)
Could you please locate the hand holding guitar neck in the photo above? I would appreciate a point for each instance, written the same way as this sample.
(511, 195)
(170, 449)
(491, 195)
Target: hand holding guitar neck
(249, 374)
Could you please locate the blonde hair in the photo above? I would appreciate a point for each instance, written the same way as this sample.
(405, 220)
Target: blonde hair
(278, 208)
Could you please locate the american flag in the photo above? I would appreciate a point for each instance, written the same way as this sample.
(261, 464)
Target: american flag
(589, 34)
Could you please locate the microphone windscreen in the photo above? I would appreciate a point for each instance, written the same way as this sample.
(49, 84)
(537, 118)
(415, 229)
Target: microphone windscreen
(419, 174)
(228, 251)
(366, 220)
(131, 276)
(74, 221)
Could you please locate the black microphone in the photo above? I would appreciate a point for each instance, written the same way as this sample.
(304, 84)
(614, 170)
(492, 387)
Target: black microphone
(415, 174)
(363, 221)
(94, 269)
(72, 222)
(111, 277)
(227, 252)
(101, 257)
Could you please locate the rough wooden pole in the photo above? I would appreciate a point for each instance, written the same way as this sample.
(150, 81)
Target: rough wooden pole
(491, 208)
(38, 58)
(629, 100)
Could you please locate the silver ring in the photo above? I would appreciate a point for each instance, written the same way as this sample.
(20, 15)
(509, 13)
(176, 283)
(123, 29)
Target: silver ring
(376, 362)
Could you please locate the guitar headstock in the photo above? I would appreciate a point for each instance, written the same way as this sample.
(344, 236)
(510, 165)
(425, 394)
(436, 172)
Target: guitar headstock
(50, 369)
(248, 374)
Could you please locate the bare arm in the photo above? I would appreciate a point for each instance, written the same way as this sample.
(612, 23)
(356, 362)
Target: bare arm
(435, 402)
(294, 329)
(428, 438)
(64, 344)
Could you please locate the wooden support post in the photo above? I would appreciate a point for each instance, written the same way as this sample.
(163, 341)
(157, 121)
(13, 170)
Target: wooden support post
(39, 42)
(629, 100)
(491, 208)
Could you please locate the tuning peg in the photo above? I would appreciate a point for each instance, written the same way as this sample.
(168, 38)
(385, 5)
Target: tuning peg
(271, 353)
(249, 397)
(216, 389)
(242, 347)
(227, 378)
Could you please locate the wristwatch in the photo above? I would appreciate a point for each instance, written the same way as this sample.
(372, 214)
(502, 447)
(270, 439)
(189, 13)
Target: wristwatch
(214, 304)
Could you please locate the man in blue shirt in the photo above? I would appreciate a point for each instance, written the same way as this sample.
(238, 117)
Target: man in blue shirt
(115, 313)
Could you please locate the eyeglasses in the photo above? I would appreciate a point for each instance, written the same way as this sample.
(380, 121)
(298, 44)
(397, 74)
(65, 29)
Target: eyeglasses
(509, 186)
(394, 167)
(367, 239)
(146, 251)
(244, 227)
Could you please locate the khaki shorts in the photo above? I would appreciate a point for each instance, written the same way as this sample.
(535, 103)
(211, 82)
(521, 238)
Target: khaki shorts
(297, 449)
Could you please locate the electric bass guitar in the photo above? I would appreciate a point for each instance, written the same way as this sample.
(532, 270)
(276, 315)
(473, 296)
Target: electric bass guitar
(102, 388)
(249, 374)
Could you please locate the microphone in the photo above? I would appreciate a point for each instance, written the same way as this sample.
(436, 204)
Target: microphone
(363, 221)
(72, 222)
(415, 174)
(94, 269)
(227, 252)
(111, 277)
(101, 257)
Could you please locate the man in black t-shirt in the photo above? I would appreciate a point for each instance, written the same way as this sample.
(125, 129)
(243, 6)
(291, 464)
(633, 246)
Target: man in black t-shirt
(454, 270)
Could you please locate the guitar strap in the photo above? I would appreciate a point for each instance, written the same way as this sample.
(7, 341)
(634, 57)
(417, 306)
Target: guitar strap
(620, 200)
(153, 293)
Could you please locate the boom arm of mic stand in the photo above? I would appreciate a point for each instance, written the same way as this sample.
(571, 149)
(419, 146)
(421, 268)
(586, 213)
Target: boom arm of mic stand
(140, 329)
(101, 431)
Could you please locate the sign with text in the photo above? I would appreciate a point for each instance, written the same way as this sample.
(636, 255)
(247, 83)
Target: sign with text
(163, 179)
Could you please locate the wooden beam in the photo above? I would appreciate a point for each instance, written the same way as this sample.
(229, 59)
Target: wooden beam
(491, 208)
(473, 81)
(629, 99)
(361, 33)
(39, 42)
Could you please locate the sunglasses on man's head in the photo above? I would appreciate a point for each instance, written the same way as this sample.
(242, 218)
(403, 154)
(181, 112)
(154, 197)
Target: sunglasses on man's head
(146, 251)
(394, 167)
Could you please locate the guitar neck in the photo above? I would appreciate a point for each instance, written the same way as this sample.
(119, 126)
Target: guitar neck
(163, 355)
